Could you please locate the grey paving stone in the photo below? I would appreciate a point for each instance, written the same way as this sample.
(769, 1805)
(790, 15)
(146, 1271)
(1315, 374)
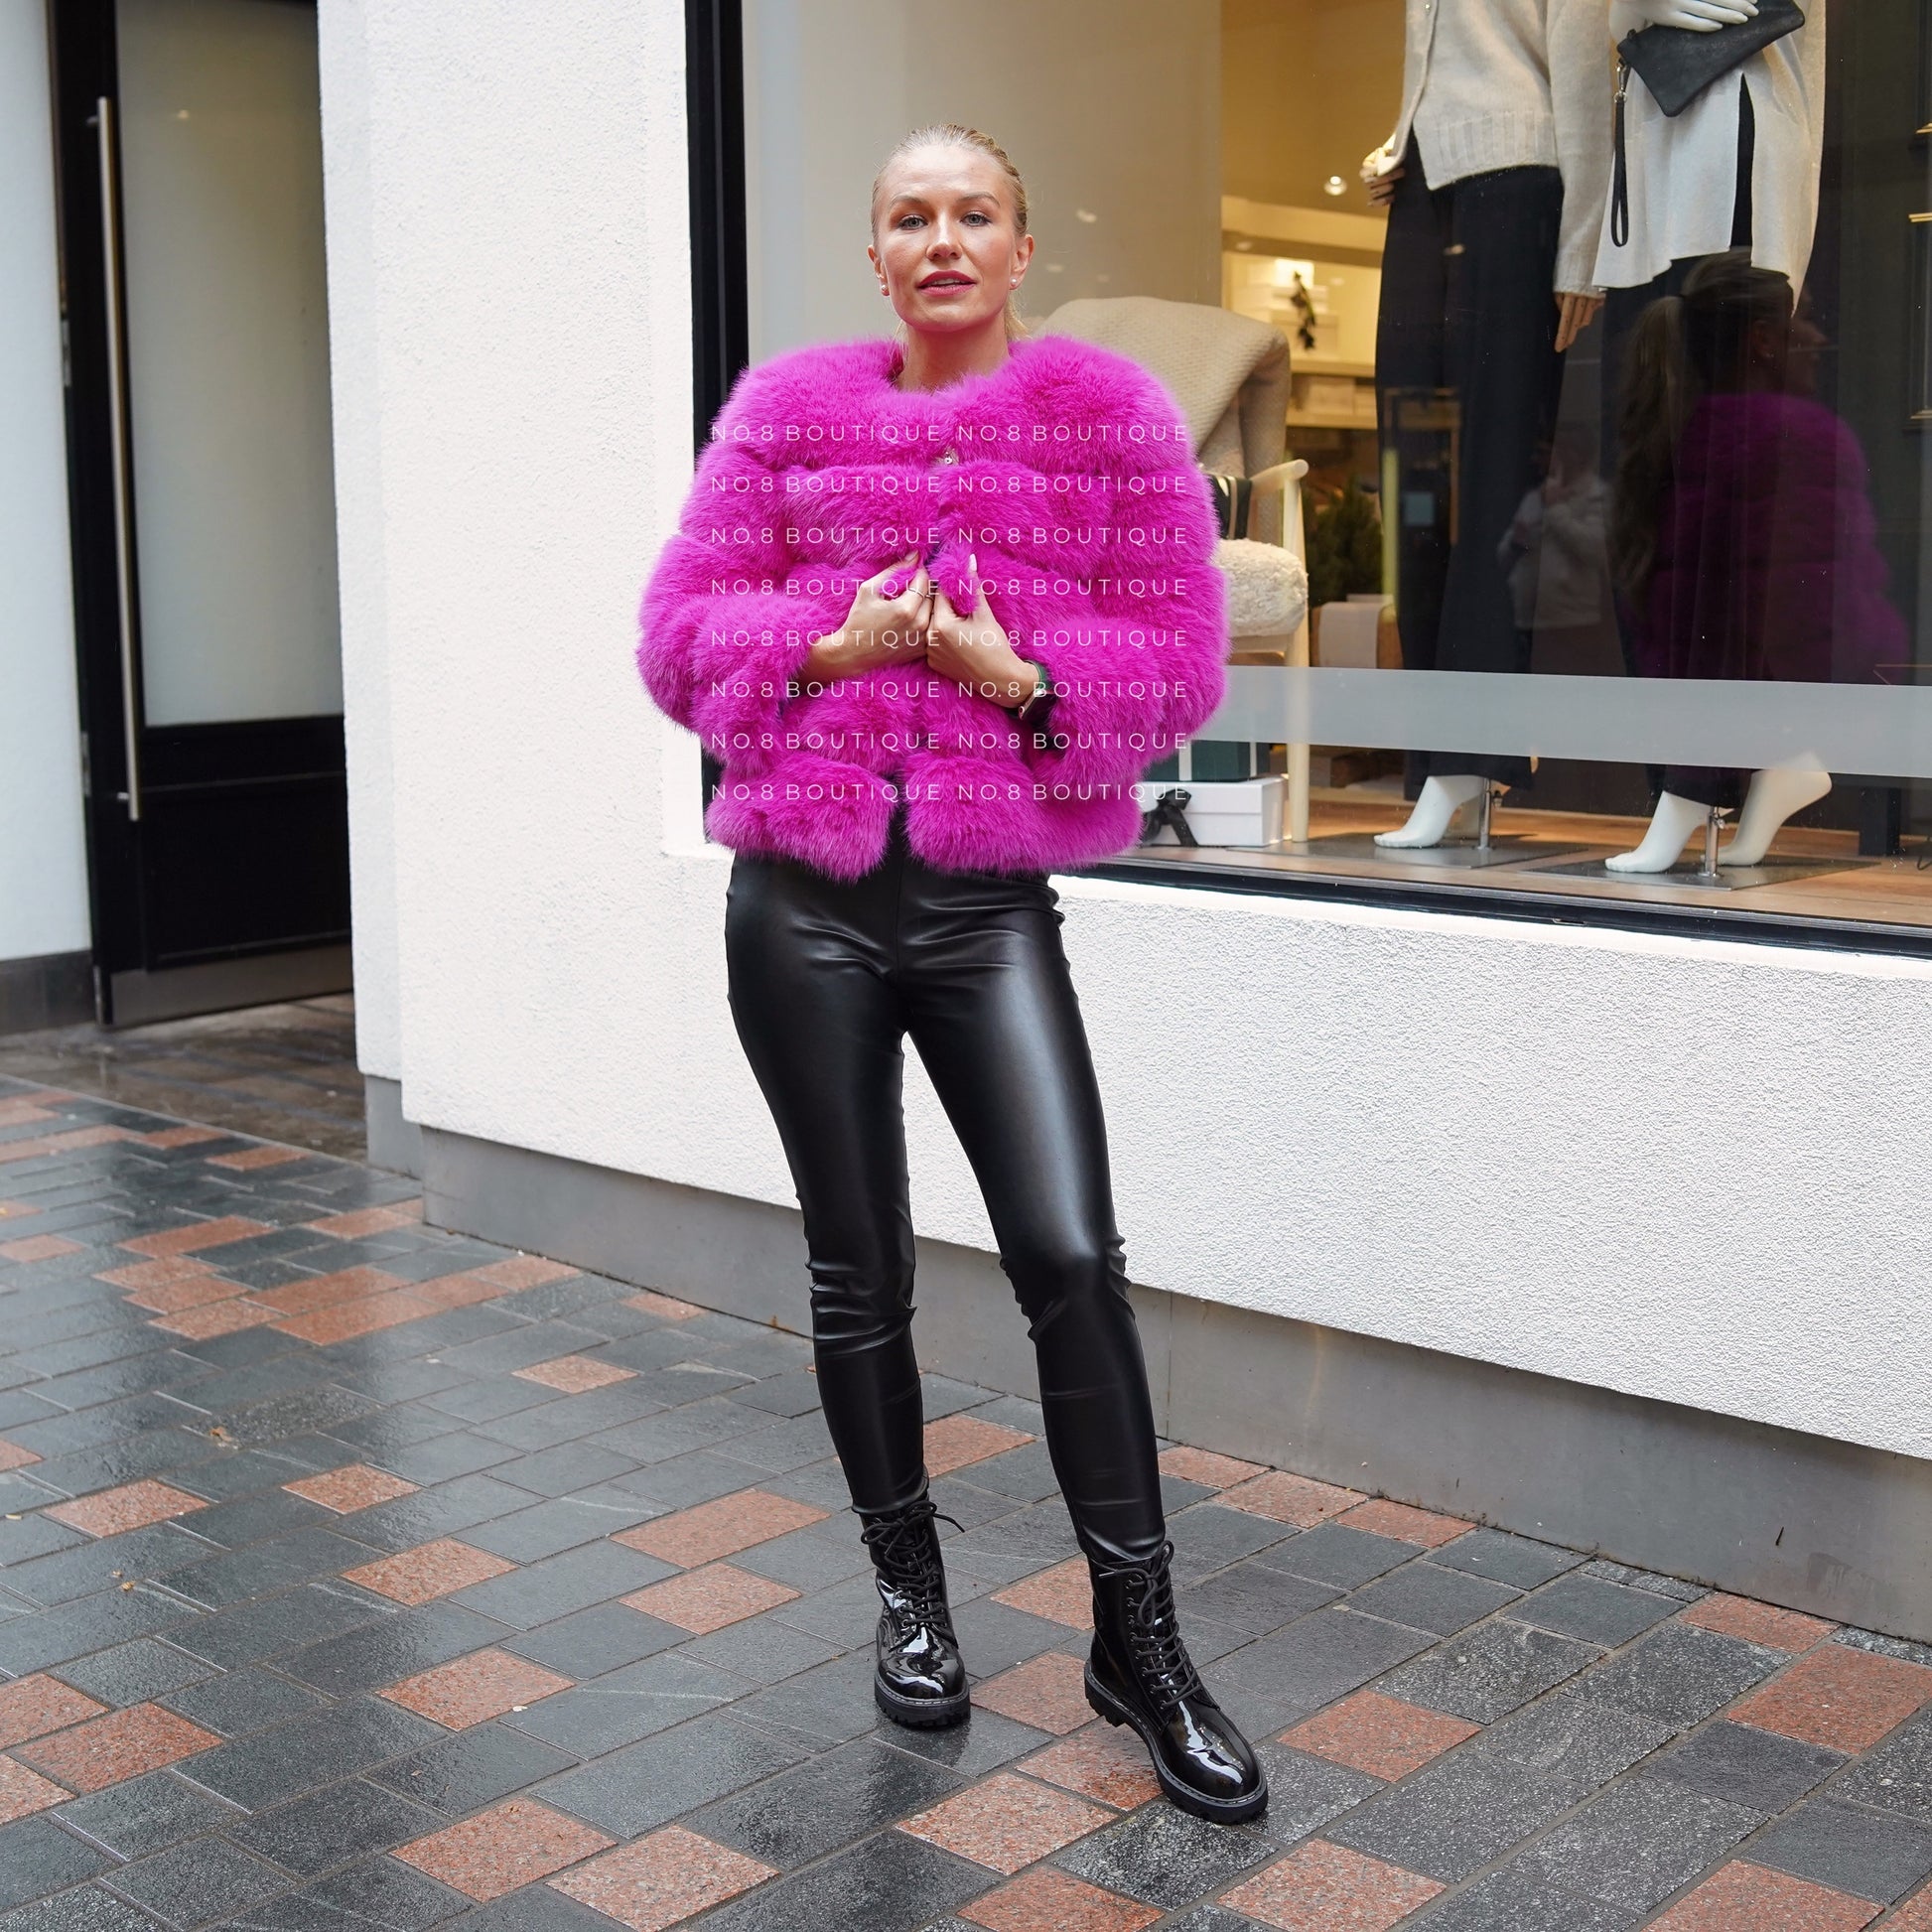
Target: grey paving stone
(379, 1897)
(635, 1790)
(592, 1642)
(809, 1559)
(1279, 1679)
(414, 1639)
(473, 1768)
(1583, 1605)
(86, 1908)
(1680, 1674)
(562, 1523)
(536, 1909)
(1163, 1857)
(628, 1704)
(576, 1579)
(324, 1829)
(1576, 1744)
(273, 1766)
(1427, 1597)
(1871, 1854)
(1331, 1552)
(1518, 1561)
(1491, 1670)
(37, 1857)
(884, 1883)
(1210, 1537)
(995, 1636)
(146, 1814)
(1306, 1792)
(762, 1650)
(826, 1705)
(1675, 1588)
(984, 1742)
(133, 1673)
(825, 1803)
(75, 1572)
(1452, 1817)
(789, 1445)
(1208, 1918)
(234, 1703)
(201, 1882)
(1250, 1598)
(1897, 1774)
(252, 1631)
(1881, 1645)
(1757, 1770)
(50, 1638)
(1639, 1842)
(1515, 1901)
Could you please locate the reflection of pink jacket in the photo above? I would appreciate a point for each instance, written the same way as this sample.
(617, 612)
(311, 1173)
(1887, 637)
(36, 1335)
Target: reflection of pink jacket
(1068, 471)
(1767, 557)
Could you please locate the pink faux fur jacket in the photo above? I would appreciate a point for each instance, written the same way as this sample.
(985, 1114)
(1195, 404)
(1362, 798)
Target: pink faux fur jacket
(1067, 472)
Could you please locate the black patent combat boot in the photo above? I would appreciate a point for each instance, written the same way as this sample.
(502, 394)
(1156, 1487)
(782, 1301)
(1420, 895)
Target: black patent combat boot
(921, 1678)
(1140, 1674)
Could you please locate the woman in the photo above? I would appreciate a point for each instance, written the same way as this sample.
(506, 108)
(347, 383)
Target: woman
(897, 557)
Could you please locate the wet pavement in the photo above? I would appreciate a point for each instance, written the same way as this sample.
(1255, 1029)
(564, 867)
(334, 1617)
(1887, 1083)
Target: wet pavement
(354, 1574)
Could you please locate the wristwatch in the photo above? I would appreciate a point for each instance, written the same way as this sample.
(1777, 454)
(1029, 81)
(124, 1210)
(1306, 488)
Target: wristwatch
(1038, 700)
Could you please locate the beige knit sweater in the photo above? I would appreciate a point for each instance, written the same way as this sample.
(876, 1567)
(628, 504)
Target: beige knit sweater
(1515, 83)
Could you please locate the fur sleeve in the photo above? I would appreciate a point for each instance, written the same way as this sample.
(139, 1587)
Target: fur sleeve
(1136, 643)
(723, 629)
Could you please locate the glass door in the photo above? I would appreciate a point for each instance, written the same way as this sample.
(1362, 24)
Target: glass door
(204, 506)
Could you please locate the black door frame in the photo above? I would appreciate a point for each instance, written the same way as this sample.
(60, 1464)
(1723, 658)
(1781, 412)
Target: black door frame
(187, 917)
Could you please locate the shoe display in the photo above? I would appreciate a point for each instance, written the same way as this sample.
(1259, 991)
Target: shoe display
(921, 1678)
(1140, 1674)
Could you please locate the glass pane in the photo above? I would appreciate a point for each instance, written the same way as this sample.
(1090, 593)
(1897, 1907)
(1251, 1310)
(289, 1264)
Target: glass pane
(228, 359)
(1635, 614)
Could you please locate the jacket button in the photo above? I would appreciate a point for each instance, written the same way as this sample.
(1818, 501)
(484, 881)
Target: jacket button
(948, 456)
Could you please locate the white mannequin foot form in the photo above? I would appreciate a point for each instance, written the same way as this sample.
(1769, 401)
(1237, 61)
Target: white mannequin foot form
(1777, 793)
(1440, 801)
(1671, 828)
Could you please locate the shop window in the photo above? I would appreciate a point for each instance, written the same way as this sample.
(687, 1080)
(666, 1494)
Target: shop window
(1640, 624)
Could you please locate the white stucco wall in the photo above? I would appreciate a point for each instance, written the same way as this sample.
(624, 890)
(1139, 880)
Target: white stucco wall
(1684, 1169)
(43, 850)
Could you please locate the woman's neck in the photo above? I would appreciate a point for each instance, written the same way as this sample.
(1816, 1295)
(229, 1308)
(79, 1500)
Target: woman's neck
(932, 361)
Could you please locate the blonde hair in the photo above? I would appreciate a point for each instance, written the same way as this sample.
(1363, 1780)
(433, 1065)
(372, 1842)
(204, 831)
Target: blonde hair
(951, 134)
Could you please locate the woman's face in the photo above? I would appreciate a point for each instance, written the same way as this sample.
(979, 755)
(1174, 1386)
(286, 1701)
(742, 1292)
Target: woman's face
(945, 243)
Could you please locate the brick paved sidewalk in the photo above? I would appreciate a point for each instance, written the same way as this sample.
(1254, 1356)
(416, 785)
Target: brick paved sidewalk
(355, 1574)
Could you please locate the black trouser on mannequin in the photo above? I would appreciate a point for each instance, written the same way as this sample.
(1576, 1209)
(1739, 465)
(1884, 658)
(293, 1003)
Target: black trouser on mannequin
(1469, 317)
(826, 979)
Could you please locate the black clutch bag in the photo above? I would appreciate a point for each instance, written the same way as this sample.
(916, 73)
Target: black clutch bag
(1677, 64)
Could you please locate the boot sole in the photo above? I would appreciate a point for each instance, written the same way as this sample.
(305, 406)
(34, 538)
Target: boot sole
(922, 1713)
(1217, 1810)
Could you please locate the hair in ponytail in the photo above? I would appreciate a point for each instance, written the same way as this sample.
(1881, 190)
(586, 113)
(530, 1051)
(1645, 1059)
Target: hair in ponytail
(951, 134)
(1682, 347)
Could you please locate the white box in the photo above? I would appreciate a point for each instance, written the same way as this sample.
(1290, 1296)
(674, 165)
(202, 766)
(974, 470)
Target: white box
(1222, 811)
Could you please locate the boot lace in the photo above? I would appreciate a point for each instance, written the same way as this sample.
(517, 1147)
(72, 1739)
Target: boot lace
(1160, 1659)
(906, 1550)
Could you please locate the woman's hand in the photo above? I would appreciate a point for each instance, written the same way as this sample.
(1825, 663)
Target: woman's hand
(878, 629)
(1575, 314)
(1695, 16)
(974, 648)
(1380, 172)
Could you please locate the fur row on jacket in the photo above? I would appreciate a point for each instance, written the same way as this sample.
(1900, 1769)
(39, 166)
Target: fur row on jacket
(1067, 472)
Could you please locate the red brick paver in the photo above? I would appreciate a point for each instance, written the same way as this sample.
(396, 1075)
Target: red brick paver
(369, 1220)
(38, 1247)
(329, 1291)
(191, 1292)
(11, 1151)
(1049, 1900)
(429, 1571)
(195, 1237)
(1380, 1517)
(349, 1319)
(956, 1442)
(524, 1271)
(356, 1487)
(14, 1456)
(511, 1844)
(1065, 1593)
(459, 1290)
(1286, 1498)
(476, 1687)
(23, 1791)
(1324, 1887)
(574, 1374)
(1756, 1622)
(121, 1745)
(667, 1308)
(662, 1879)
(1107, 1764)
(1378, 1735)
(706, 1599)
(1045, 1691)
(1205, 1466)
(224, 1316)
(133, 1506)
(1006, 1821)
(1749, 1898)
(733, 1523)
(1914, 1915)
(1843, 1699)
(182, 1137)
(31, 1707)
(145, 1275)
(247, 1160)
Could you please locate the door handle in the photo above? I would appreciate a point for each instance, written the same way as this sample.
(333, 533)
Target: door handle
(110, 243)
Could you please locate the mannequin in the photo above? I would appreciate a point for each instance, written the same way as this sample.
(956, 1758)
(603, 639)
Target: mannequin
(1751, 144)
(1495, 180)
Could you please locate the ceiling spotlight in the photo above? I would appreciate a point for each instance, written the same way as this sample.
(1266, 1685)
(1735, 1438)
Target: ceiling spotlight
(1087, 214)
(1335, 185)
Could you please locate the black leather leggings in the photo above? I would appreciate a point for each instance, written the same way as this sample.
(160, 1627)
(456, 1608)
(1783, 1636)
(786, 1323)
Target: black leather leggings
(826, 979)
